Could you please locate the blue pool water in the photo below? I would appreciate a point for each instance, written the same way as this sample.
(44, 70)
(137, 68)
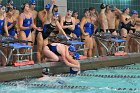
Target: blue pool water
(106, 80)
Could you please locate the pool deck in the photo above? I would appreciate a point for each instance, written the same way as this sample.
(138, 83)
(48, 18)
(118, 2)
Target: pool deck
(34, 71)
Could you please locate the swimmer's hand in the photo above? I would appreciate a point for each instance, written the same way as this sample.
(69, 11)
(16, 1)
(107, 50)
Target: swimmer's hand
(7, 34)
(86, 34)
(68, 38)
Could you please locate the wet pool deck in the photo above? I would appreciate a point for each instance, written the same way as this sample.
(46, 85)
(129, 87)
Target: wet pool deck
(34, 71)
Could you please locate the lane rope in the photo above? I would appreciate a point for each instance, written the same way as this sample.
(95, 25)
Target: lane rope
(64, 86)
(96, 75)
(121, 68)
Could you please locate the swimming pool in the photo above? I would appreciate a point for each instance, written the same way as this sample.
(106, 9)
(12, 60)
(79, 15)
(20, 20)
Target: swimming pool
(106, 80)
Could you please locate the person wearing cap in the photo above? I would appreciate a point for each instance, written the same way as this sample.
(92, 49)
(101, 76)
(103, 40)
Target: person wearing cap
(55, 9)
(135, 15)
(11, 23)
(103, 27)
(47, 12)
(10, 4)
(32, 8)
(111, 13)
(125, 20)
(3, 32)
(132, 44)
(44, 13)
(135, 19)
(103, 19)
(68, 23)
(57, 51)
(49, 27)
(34, 12)
(87, 29)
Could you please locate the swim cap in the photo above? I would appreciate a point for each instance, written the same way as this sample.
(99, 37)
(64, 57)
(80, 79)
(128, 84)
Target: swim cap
(134, 12)
(76, 56)
(14, 7)
(56, 14)
(73, 71)
(32, 2)
(72, 48)
(125, 9)
(48, 6)
(55, 6)
(112, 7)
(10, 2)
(102, 6)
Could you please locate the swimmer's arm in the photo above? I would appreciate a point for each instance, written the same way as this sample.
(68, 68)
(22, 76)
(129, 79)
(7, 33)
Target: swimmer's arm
(62, 23)
(21, 23)
(35, 17)
(83, 21)
(64, 57)
(41, 17)
(137, 19)
(60, 28)
(124, 21)
(33, 25)
(48, 18)
(118, 11)
(5, 27)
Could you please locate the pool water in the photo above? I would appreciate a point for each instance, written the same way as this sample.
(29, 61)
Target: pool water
(106, 80)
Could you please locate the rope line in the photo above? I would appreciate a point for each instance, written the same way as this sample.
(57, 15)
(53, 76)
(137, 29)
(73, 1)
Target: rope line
(120, 68)
(95, 75)
(65, 86)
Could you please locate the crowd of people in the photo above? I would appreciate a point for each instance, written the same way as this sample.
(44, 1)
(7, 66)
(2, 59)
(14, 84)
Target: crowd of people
(23, 25)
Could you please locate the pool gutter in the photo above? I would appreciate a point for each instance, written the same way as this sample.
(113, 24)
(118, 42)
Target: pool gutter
(34, 71)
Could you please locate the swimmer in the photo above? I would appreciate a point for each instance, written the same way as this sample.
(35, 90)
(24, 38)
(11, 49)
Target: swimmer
(68, 23)
(42, 38)
(26, 23)
(87, 29)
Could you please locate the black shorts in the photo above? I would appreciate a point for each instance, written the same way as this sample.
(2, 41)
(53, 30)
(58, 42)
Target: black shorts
(101, 30)
(112, 30)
